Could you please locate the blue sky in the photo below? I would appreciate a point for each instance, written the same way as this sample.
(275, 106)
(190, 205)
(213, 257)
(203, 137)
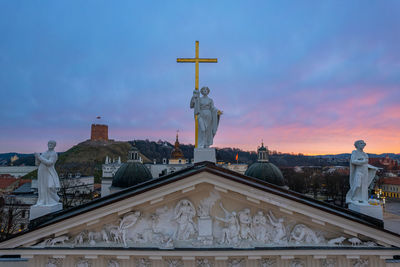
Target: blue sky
(305, 76)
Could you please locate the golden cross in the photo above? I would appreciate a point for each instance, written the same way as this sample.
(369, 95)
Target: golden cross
(196, 60)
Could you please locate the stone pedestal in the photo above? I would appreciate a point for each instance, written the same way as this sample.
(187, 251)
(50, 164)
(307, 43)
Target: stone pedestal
(205, 230)
(204, 154)
(38, 211)
(368, 209)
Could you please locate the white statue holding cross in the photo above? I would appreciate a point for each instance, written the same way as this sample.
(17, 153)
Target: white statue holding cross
(205, 113)
(207, 117)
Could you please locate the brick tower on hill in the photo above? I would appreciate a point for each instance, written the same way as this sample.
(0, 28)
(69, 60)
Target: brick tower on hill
(99, 132)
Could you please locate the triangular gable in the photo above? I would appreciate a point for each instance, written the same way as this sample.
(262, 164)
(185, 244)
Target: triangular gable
(167, 213)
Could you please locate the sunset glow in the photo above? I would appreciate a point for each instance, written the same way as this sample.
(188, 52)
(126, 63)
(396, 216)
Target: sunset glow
(306, 77)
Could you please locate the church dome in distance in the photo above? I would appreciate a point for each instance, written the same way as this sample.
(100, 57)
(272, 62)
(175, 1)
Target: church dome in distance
(265, 170)
(132, 172)
(177, 153)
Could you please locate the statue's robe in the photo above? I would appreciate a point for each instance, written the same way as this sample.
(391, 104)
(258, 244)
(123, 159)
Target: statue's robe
(48, 181)
(361, 176)
(208, 119)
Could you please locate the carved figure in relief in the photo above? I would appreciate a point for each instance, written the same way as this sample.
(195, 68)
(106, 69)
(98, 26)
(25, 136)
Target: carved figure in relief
(113, 263)
(360, 263)
(104, 235)
(328, 262)
(267, 262)
(259, 226)
(93, 237)
(142, 262)
(245, 224)
(355, 241)
(236, 263)
(79, 238)
(204, 208)
(230, 234)
(116, 234)
(58, 240)
(302, 233)
(44, 243)
(279, 229)
(128, 221)
(204, 263)
(184, 213)
(166, 241)
(370, 244)
(337, 241)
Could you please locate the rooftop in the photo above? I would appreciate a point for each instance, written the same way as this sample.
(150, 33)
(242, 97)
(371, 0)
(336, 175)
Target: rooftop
(211, 168)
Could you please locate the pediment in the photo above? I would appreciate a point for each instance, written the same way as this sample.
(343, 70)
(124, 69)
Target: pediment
(202, 210)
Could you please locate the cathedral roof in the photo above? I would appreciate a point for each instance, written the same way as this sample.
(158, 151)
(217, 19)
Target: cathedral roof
(197, 169)
(233, 189)
(265, 170)
(130, 174)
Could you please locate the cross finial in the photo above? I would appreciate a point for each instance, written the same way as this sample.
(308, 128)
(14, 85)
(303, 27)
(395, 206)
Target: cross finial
(196, 60)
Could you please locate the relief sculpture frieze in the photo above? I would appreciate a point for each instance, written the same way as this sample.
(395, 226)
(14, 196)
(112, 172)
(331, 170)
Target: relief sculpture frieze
(185, 224)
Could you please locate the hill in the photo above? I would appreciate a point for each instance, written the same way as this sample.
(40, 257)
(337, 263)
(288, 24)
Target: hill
(87, 157)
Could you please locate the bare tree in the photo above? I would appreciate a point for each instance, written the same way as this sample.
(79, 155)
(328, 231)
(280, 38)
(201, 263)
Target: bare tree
(73, 193)
(13, 216)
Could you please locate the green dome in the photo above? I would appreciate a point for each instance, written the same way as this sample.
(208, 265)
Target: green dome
(267, 172)
(130, 174)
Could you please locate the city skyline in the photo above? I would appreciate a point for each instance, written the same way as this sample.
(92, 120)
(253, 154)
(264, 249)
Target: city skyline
(306, 77)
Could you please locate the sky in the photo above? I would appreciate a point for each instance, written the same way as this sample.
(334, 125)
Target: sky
(303, 76)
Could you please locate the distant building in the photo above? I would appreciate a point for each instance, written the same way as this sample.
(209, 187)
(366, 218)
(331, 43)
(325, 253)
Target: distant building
(77, 184)
(128, 174)
(386, 163)
(110, 167)
(390, 187)
(239, 167)
(175, 163)
(13, 159)
(177, 156)
(20, 200)
(99, 132)
(8, 184)
(265, 170)
(17, 171)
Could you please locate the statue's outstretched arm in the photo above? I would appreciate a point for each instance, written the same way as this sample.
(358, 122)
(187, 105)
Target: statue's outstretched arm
(48, 162)
(221, 219)
(227, 213)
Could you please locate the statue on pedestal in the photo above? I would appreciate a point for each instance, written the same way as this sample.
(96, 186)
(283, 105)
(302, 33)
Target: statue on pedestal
(48, 181)
(207, 115)
(361, 175)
